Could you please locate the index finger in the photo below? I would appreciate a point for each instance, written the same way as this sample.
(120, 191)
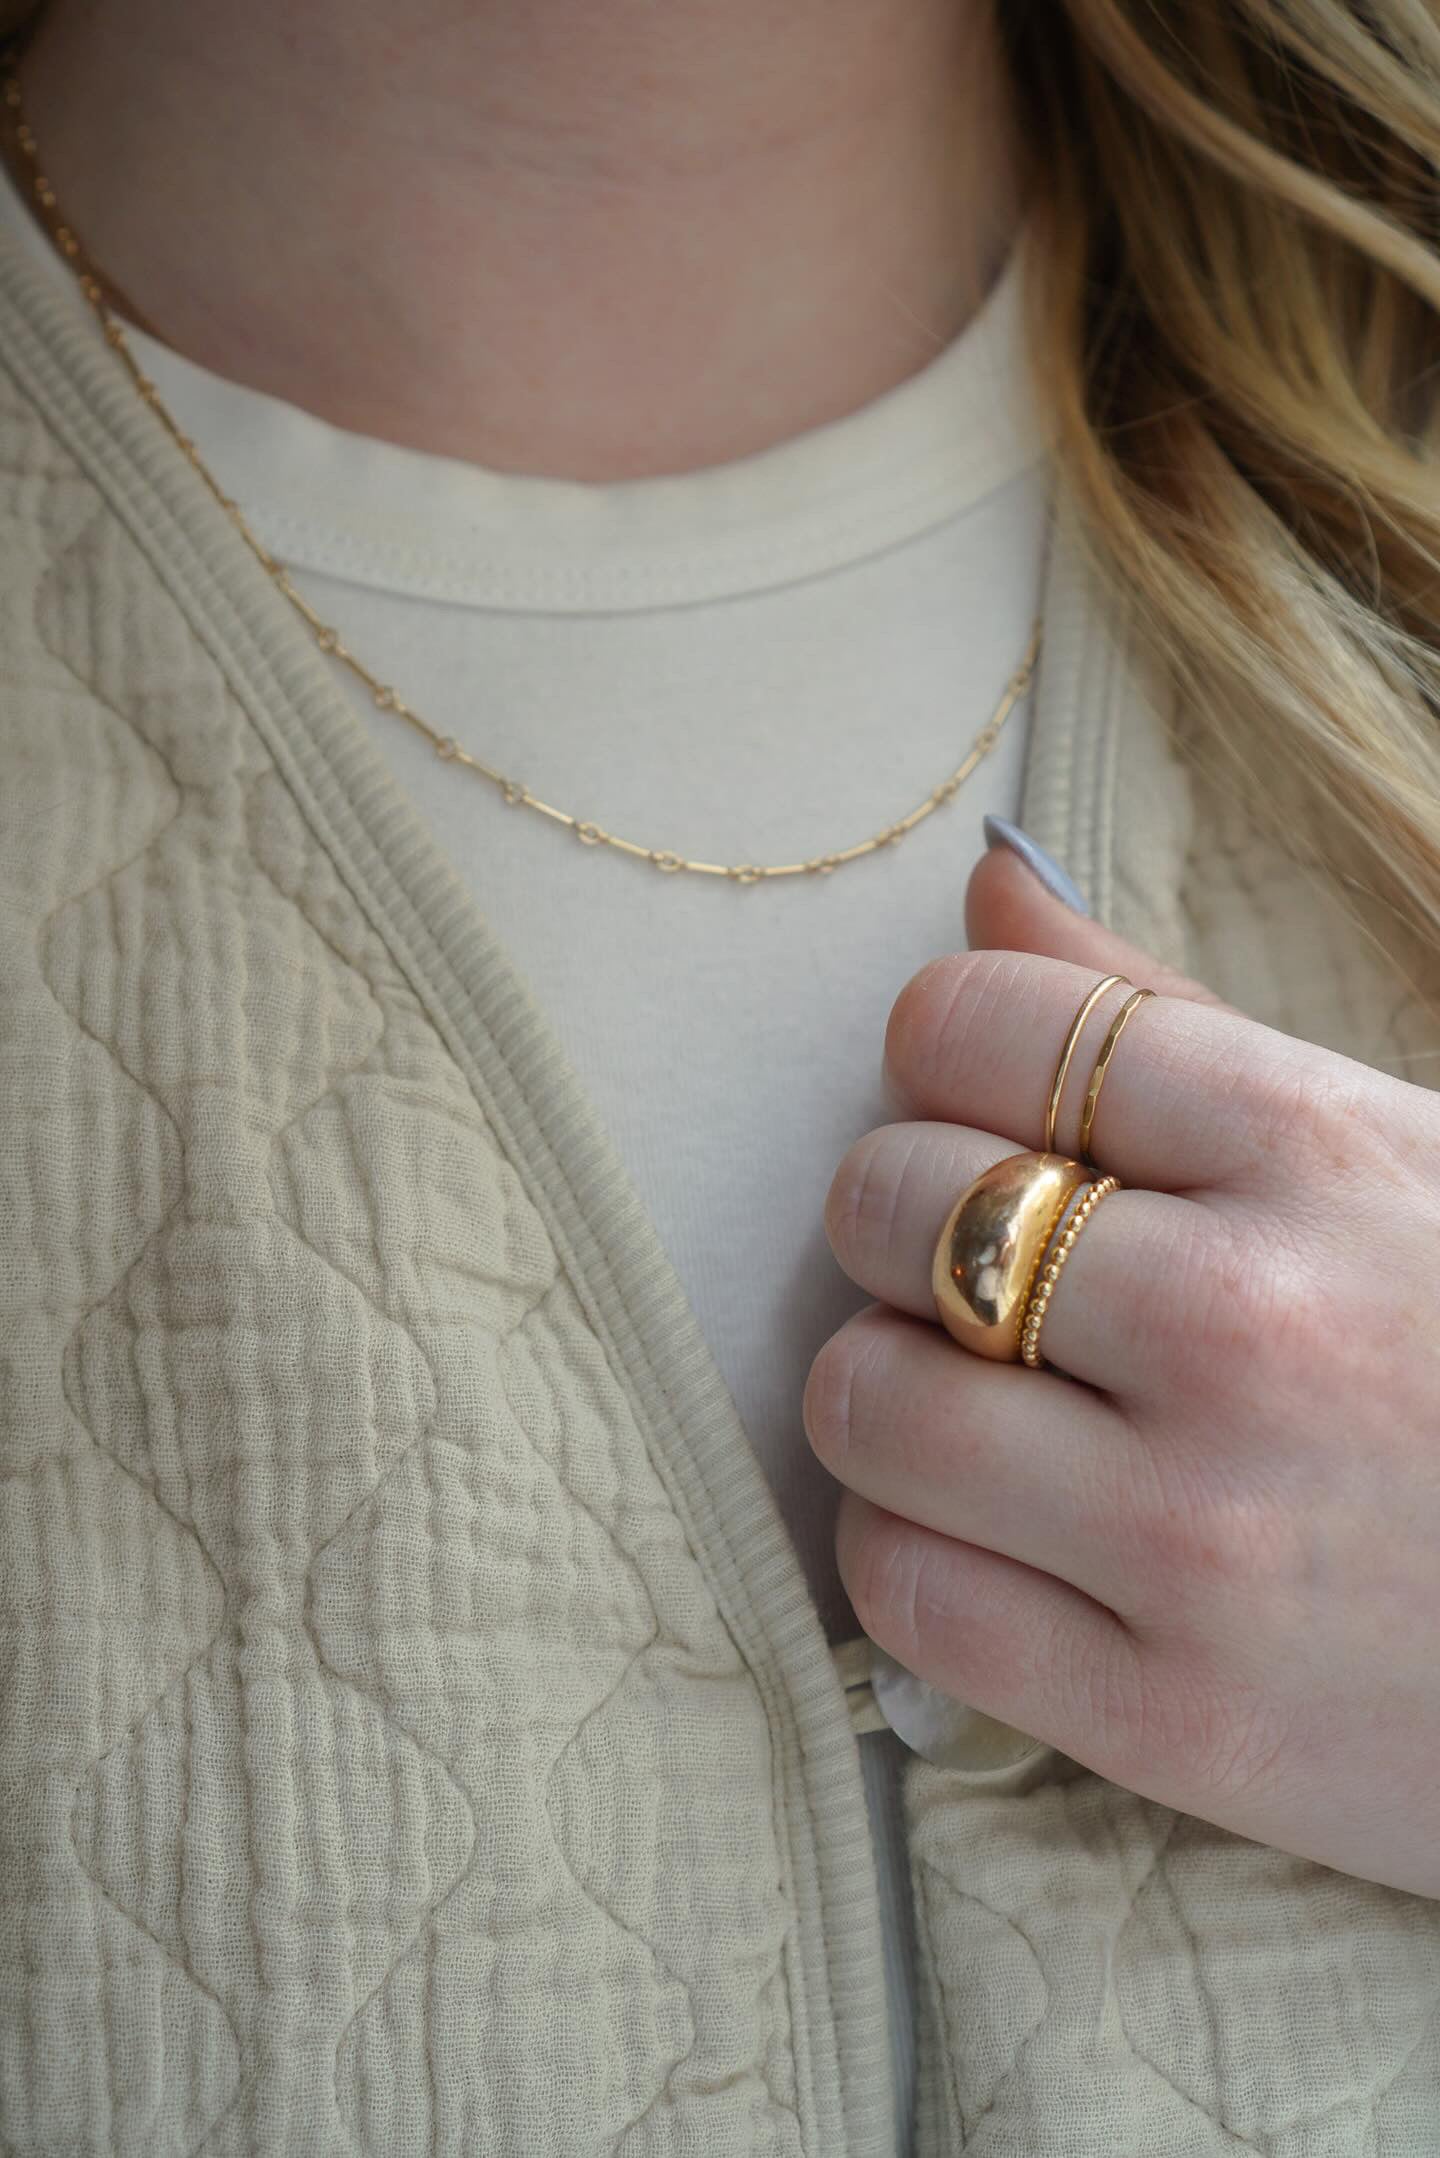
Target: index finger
(1193, 1098)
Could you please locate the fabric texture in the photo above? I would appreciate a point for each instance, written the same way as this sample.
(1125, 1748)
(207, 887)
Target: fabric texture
(395, 1756)
(416, 1735)
(1110, 1976)
(765, 659)
(760, 661)
(1103, 1974)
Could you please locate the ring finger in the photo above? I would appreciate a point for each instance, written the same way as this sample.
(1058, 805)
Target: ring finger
(1022, 1463)
(1111, 1319)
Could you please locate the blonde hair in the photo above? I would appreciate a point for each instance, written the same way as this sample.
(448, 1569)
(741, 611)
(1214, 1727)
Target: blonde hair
(1237, 322)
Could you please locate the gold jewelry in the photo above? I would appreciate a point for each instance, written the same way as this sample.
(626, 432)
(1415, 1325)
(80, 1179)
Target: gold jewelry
(94, 287)
(989, 1251)
(1054, 1267)
(1102, 1065)
(1077, 1026)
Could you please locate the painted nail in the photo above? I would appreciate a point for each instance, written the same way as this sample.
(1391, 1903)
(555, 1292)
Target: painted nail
(1000, 833)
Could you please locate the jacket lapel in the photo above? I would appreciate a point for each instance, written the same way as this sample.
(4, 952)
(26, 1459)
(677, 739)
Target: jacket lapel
(1104, 790)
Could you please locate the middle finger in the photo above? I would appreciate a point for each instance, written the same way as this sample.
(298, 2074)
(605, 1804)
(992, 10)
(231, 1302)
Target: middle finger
(1114, 1317)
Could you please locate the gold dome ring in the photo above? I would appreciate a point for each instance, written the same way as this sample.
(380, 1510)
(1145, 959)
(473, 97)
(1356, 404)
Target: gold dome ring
(988, 1254)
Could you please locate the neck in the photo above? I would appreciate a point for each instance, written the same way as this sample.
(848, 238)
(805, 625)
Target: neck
(596, 242)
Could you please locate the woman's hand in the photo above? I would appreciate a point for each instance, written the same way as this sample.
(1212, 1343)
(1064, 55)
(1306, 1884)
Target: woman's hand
(1201, 1552)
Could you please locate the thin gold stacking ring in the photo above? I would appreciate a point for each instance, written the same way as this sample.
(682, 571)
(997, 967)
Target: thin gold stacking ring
(1077, 1028)
(1102, 1065)
(1054, 1267)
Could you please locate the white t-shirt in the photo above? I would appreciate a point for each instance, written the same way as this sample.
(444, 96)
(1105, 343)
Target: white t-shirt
(766, 661)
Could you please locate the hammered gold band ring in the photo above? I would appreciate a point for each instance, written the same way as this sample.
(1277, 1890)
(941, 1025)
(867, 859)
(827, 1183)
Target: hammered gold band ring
(1067, 1052)
(1008, 1237)
(1102, 1065)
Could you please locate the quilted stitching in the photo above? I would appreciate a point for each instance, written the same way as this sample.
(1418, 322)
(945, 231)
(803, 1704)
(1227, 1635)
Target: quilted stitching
(381, 1776)
(1114, 1979)
(1355, 1969)
(990, 1984)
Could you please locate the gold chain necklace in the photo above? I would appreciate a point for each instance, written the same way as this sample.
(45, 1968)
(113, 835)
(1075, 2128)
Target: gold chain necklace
(445, 746)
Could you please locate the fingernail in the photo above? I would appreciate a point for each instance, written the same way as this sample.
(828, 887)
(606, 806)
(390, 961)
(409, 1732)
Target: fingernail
(1000, 833)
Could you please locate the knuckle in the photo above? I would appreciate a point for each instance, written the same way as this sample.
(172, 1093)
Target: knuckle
(1206, 1541)
(1093, 1684)
(1224, 1328)
(1215, 1740)
(1242, 1309)
(825, 1405)
(936, 1013)
(831, 1409)
(860, 1211)
(883, 1578)
(1292, 1322)
(1317, 1106)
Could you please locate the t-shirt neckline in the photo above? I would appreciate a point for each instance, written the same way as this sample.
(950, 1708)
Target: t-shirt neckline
(377, 514)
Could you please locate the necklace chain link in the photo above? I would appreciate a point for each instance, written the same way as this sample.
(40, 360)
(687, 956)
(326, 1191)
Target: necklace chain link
(384, 695)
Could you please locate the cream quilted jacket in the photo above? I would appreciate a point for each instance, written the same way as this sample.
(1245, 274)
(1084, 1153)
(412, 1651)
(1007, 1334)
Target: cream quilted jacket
(415, 1736)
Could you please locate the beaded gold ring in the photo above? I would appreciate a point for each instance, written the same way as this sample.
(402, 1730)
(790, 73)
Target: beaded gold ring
(1033, 1316)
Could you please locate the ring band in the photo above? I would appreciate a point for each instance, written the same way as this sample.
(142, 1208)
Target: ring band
(1077, 1027)
(1102, 1065)
(1039, 1302)
(988, 1253)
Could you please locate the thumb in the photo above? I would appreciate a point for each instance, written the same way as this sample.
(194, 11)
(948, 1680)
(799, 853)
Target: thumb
(1019, 899)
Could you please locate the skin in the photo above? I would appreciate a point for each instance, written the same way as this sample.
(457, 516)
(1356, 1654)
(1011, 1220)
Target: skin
(598, 242)
(1198, 1552)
